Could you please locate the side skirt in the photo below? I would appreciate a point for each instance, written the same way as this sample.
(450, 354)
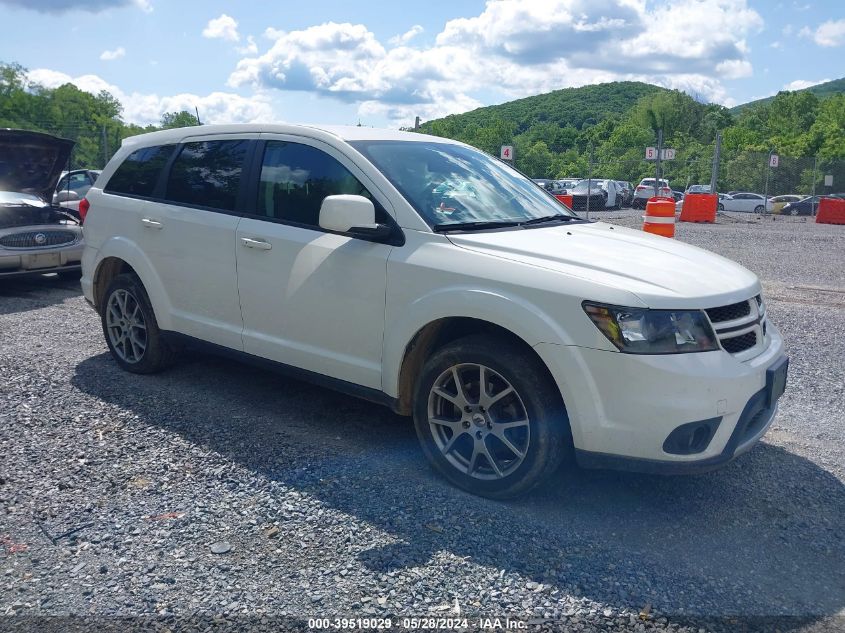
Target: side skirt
(365, 393)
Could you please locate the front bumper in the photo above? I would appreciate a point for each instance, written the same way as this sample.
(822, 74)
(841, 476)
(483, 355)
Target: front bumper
(623, 407)
(17, 262)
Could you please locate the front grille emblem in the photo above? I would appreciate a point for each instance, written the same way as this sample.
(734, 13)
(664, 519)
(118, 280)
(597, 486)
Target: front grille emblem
(40, 239)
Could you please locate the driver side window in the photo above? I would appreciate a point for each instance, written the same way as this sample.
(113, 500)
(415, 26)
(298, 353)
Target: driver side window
(295, 179)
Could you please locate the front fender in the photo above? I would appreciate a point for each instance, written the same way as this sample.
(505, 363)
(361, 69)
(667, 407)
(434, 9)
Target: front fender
(512, 312)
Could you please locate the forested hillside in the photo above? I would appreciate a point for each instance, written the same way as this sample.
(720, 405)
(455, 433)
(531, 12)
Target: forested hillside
(822, 91)
(556, 134)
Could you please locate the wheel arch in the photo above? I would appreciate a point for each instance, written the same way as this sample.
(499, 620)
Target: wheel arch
(124, 257)
(435, 335)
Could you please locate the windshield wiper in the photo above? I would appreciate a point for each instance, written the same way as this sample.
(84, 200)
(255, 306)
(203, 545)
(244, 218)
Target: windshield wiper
(471, 226)
(550, 218)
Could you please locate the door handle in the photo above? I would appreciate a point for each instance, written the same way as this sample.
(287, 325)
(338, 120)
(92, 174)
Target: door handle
(258, 244)
(151, 224)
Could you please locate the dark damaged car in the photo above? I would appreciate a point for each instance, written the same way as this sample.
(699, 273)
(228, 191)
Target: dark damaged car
(36, 236)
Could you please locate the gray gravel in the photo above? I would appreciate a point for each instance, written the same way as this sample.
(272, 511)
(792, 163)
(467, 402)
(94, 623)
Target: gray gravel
(217, 495)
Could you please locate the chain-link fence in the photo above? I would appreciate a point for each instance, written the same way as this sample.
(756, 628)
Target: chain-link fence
(752, 179)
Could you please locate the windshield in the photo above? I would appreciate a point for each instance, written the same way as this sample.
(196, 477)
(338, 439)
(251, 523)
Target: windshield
(594, 185)
(452, 184)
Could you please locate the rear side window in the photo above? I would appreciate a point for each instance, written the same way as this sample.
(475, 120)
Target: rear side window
(138, 174)
(208, 174)
(295, 179)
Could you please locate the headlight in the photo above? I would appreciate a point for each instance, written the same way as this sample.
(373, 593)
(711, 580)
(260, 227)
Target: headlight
(643, 331)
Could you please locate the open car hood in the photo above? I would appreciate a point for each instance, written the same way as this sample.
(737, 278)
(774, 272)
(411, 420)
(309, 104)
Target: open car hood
(32, 162)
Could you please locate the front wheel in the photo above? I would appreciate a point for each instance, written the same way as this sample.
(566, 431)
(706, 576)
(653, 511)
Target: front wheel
(489, 417)
(131, 329)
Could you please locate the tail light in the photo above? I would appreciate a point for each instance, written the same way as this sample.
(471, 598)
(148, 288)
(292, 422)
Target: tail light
(640, 187)
(84, 205)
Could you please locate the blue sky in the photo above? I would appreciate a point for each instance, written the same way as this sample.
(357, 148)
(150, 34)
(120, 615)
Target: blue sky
(382, 63)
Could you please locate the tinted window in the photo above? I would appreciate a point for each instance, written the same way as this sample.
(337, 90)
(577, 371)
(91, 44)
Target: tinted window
(208, 174)
(295, 178)
(139, 173)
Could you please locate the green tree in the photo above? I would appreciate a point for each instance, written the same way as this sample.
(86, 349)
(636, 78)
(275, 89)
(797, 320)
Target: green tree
(178, 119)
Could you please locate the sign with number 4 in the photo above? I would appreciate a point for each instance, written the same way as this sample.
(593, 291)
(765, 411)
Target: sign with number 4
(507, 152)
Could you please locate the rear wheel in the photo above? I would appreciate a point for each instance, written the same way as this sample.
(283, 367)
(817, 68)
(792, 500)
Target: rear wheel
(131, 329)
(489, 418)
(759, 208)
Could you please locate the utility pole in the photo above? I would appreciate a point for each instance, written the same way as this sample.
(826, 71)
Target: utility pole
(589, 180)
(659, 150)
(717, 154)
(105, 147)
(815, 166)
(766, 186)
(417, 124)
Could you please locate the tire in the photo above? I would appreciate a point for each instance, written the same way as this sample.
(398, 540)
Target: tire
(721, 207)
(759, 208)
(793, 212)
(144, 351)
(537, 446)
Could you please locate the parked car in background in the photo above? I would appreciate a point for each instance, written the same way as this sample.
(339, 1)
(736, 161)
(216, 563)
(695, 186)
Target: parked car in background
(423, 274)
(746, 202)
(609, 191)
(72, 187)
(627, 192)
(568, 184)
(645, 190)
(806, 206)
(679, 200)
(778, 202)
(698, 189)
(36, 236)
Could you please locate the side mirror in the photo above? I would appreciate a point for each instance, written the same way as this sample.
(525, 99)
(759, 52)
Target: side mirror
(348, 214)
(66, 196)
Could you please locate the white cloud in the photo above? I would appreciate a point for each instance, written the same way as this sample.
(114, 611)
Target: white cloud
(514, 47)
(225, 27)
(112, 55)
(800, 84)
(830, 33)
(251, 47)
(734, 69)
(407, 36)
(143, 109)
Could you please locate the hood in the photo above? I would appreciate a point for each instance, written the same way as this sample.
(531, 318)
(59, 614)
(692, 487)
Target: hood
(662, 272)
(32, 162)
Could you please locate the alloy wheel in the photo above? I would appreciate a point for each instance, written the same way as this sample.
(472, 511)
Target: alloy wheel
(478, 421)
(126, 327)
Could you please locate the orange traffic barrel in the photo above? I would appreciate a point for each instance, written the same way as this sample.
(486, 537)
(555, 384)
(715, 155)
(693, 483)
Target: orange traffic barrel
(699, 207)
(831, 211)
(659, 217)
(565, 199)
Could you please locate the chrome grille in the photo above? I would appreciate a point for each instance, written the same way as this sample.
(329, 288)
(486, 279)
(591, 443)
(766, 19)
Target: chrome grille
(740, 327)
(38, 239)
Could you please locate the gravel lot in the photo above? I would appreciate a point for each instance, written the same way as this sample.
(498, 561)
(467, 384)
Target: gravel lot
(117, 490)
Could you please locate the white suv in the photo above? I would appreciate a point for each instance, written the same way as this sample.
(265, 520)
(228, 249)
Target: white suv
(423, 274)
(645, 190)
